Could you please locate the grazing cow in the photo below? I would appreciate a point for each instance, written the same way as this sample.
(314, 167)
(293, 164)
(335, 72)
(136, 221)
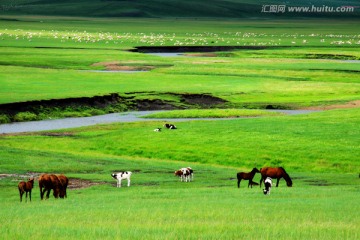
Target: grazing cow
(26, 187)
(157, 130)
(170, 126)
(120, 176)
(64, 182)
(48, 182)
(268, 185)
(186, 174)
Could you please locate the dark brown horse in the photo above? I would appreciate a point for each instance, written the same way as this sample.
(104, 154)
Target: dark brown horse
(64, 182)
(26, 187)
(247, 176)
(277, 173)
(48, 182)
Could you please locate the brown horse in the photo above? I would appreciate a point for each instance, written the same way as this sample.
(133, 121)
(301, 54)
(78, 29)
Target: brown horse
(64, 182)
(277, 173)
(26, 187)
(247, 176)
(48, 182)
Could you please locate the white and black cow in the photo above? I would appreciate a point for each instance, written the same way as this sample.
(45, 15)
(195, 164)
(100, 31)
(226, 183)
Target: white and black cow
(157, 130)
(268, 185)
(120, 176)
(170, 126)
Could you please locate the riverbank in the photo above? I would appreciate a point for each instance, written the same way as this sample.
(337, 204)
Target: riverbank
(54, 124)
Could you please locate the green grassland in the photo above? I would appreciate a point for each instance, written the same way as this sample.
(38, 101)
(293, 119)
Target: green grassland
(303, 63)
(313, 64)
(318, 150)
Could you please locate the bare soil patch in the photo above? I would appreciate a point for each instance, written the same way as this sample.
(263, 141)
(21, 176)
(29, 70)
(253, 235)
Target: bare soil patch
(352, 104)
(117, 66)
(77, 183)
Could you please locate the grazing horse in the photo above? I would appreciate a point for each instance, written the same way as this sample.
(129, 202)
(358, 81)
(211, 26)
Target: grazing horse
(120, 176)
(277, 173)
(247, 176)
(64, 182)
(26, 187)
(48, 182)
(268, 185)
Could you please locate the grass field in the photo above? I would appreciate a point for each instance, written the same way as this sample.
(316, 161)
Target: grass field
(318, 150)
(304, 63)
(316, 65)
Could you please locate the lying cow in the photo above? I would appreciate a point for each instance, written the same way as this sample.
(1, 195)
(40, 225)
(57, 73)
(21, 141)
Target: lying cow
(170, 126)
(120, 176)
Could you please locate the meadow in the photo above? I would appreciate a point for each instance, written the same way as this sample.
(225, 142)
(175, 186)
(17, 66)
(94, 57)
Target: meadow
(301, 64)
(318, 150)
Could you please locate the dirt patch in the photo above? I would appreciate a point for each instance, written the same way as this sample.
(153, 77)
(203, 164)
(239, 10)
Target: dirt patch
(116, 66)
(76, 183)
(204, 100)
(154, 104)
(36, 106)
(110, 103)
(320, 183)
(352, 104)
(63, 134)
(128, 66)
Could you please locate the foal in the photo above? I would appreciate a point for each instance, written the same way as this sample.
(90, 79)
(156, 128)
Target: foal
(247, 176)
(26, 187)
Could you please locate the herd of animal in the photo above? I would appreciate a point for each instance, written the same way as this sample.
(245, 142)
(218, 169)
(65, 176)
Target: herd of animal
(47, 182)
(267, 174)
(59, 183)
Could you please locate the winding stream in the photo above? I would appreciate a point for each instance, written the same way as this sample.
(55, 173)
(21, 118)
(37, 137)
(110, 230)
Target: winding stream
(46, 125)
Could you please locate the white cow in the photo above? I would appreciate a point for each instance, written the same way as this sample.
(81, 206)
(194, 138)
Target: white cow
(120, 176)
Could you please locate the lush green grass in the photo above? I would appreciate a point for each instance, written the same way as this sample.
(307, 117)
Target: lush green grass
(317, 142)
(183, 211)
(212, 113)
(44, 58)
(318, 150)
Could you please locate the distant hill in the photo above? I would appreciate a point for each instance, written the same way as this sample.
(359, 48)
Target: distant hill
(184, 8)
